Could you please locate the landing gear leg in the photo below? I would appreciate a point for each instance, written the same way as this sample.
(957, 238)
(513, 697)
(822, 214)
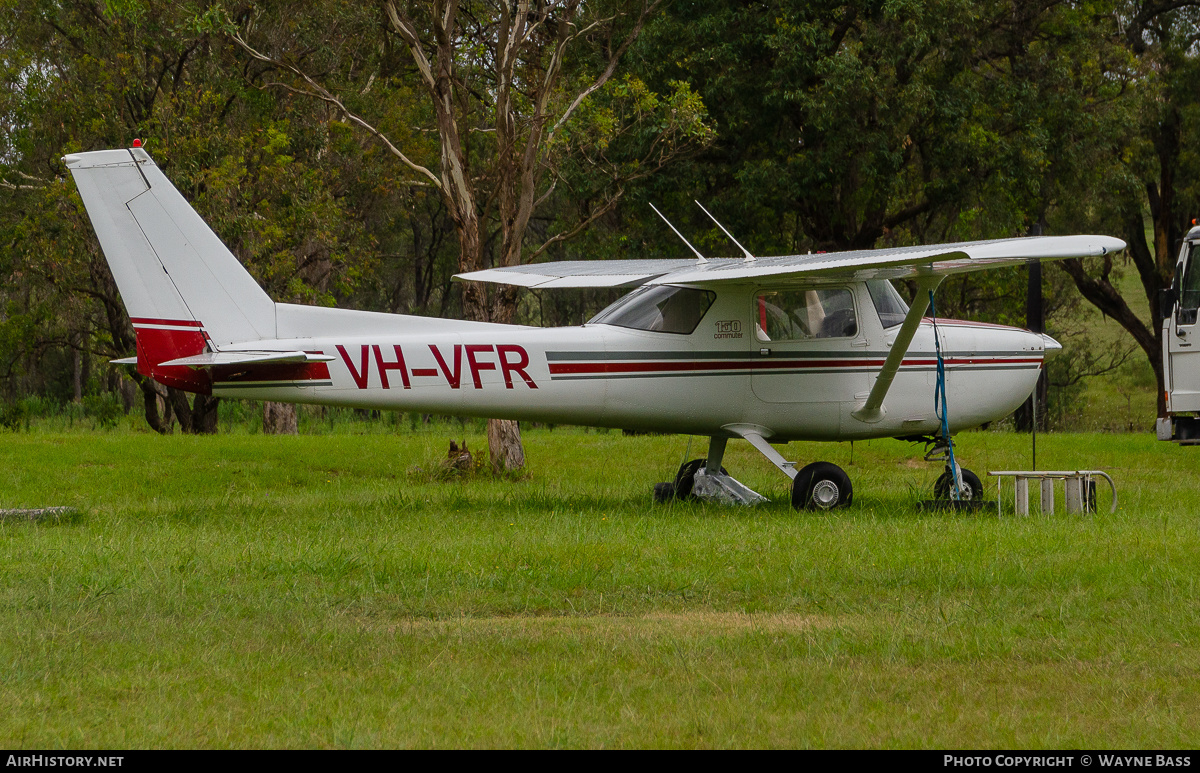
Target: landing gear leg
(955, 477)
(819, 486)
(706, 479)
(716, 453)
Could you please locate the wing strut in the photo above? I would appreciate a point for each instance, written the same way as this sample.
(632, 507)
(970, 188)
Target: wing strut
(873, 410)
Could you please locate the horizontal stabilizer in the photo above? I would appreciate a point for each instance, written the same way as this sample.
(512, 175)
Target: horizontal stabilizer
(124, 361)
(218, 359)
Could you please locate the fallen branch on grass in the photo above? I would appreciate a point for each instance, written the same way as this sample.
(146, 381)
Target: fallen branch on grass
(37, 514)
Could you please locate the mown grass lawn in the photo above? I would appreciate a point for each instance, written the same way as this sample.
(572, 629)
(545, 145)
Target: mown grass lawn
(252, 591)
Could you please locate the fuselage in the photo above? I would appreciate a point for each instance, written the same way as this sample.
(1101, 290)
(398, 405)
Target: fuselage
(733, 369)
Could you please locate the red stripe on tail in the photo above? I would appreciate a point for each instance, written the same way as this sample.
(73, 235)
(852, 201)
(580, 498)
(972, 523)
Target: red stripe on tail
(156, 345)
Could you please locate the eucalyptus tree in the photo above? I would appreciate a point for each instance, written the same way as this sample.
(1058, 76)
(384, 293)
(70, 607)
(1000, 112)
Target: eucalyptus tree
(81, 76)
(524, 100)
(1147, 182)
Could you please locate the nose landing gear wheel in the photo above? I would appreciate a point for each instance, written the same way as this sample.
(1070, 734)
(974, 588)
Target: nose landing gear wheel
(971, 490)
(821, 486)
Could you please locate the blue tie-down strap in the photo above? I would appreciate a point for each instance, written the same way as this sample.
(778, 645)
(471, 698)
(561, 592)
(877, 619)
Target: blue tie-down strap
(939, 402)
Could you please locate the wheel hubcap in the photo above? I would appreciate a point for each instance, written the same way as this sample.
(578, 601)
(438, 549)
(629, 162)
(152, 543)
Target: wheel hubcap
(825, 494)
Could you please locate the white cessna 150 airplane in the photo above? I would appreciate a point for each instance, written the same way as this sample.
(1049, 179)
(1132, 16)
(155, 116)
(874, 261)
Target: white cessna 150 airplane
(768, 349)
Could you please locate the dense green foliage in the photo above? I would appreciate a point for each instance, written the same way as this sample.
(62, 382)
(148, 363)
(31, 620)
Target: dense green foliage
(803, 126)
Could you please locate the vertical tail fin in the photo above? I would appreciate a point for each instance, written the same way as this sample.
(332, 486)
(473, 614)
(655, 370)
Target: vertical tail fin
(182, 287)
(167, 261)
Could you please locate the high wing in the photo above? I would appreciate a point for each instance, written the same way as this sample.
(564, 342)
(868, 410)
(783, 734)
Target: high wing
(582, 273)
(929, 265)
(891, 263)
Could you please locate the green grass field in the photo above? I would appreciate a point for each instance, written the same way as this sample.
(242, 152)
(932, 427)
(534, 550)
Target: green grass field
(253, 591)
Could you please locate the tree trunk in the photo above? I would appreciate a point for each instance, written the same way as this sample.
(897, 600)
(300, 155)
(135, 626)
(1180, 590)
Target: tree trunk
(128, 391)
(150, 397)
(204, 414)
(504, 446)
(504, 436)
(77, 377)
(280, 419)
(183, 410)
(199, 417)
(1023, 416)
(1101, 293)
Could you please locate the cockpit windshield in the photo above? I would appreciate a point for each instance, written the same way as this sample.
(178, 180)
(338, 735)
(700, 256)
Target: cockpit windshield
(888, 303)
(658, 308)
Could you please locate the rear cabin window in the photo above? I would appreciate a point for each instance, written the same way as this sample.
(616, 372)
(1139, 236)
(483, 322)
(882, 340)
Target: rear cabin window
(799, 315)
(658, 309)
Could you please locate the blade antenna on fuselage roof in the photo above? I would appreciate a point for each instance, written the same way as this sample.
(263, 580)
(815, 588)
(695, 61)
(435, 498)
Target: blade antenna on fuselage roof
(723, 228)
(676, 230)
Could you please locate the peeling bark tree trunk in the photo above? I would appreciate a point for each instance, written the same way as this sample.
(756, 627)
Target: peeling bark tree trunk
(528, 46)
(280, 419)
(504, 446)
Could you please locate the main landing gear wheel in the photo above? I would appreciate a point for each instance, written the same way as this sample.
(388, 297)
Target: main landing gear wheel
(686, 478)
(821, 486)
(971, 489)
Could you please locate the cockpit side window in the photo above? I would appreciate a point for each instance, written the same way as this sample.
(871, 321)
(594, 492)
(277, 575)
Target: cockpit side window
(658, 309)
(797, 315)
(891, 307)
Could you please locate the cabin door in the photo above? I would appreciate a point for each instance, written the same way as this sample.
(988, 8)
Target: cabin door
(810, 347)
(1182, 338)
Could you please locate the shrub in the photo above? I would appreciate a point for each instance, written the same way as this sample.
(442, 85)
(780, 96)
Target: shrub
(12, 415)
(105, 409)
